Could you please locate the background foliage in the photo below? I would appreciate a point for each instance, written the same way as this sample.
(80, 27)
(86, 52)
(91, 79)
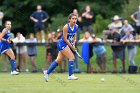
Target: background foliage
(19, 11)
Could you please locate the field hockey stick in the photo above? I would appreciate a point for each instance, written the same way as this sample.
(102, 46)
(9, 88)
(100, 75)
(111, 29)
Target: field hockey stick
(78, 54)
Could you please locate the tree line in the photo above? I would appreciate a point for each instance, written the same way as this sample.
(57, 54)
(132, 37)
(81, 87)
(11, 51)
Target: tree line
(19, 11)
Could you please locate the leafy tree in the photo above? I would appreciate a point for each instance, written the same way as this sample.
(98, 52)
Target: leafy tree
(58, 21)
(106, 8)
(19, 11)
(101, 24)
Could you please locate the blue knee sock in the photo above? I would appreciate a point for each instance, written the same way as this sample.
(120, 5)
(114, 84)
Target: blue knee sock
(12, 62)
(52, 67)
(71, 67)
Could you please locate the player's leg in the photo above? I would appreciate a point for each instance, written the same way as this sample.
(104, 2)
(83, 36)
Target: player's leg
(10, 53)
(53, 65)
(68, 53)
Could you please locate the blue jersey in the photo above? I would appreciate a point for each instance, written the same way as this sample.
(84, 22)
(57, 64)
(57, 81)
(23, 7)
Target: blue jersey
(7, 35)
(4, 46)
(71, 33)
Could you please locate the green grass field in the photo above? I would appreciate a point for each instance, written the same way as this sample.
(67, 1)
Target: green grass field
(58, 83)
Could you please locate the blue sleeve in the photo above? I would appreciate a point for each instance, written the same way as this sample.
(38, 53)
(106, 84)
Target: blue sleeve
(33, 14)
(45, 15)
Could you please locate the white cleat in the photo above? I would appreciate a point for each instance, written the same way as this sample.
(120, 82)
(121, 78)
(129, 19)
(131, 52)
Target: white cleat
(72, 77)
(46, 75)
(14, 73)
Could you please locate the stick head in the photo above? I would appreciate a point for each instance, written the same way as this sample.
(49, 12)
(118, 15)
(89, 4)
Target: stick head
(78, 54)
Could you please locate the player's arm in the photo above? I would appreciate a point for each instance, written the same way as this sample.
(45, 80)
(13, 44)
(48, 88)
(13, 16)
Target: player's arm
(65, 33)
(4, 31)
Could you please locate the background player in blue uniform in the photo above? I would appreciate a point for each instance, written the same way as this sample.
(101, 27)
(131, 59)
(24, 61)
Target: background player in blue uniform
(65, 47)
(5, 46)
